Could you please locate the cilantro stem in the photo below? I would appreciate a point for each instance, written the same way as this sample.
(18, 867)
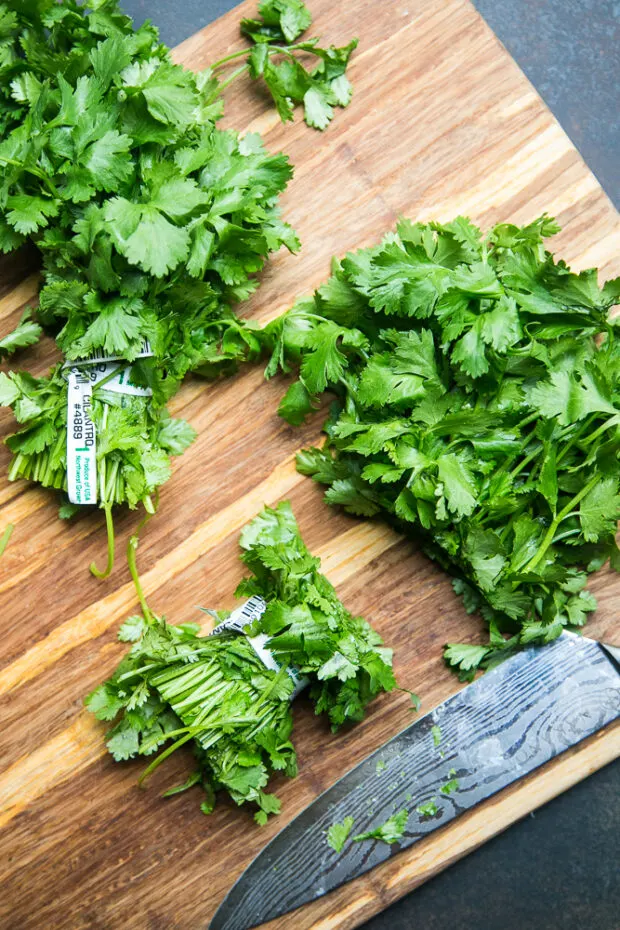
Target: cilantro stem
(526, 461)
(612, 421)
(233, 77)
(575, 438)
(163, 756)
(273, 50)
(4, 539)
(189, 733)
(37, 173)
(109, 522)
(550, 534)
(232, 57)
(132, 551)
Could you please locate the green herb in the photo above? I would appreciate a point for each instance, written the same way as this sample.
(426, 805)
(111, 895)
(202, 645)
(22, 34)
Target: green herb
(428, 809)
(319, 90)
(436, 734)
(381, 766)
(308, 626)
(392, 831)
(338, 833)
(25, 334)
(151, 222)
(450, 786)
(214, 693)
(477, 408)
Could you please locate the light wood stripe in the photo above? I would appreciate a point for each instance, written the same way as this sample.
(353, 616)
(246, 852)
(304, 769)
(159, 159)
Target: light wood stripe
(100, 616)
(73, 750)
(360, 546)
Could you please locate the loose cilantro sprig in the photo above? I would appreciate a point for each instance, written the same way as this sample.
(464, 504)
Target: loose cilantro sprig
(477, 407)
(392, 831)
(287, 79)
(214, 693)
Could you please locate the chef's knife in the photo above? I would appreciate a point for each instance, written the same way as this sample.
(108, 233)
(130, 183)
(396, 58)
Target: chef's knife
(493, 732)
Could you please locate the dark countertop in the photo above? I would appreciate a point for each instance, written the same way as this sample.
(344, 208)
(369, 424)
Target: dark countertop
(558, 868)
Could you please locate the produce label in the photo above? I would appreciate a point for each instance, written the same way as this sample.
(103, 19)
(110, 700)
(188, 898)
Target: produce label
(81, 440)
(253, 609)
(84, 375)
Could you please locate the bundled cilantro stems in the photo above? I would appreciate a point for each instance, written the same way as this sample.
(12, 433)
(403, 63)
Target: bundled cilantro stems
(150, 221)
(477, 407)
(215, 692)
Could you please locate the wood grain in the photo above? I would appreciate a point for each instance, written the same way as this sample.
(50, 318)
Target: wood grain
(442, 122)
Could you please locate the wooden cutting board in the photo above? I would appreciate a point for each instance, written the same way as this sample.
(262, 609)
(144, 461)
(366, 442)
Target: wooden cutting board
(442, 122)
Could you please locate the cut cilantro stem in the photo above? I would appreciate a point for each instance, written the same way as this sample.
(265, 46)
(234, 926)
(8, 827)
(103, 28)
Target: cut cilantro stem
(565, 512)
(107, 508)
(109, 523)
(177, 688)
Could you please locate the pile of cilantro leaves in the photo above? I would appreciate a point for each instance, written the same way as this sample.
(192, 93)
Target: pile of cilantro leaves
(152, 223)
(176, 686)
(477, 407)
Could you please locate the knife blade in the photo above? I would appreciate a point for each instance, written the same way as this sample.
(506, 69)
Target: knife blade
(493, 732)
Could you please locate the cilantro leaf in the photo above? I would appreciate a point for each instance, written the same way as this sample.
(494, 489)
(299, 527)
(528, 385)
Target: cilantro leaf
(26, 333)
(338, 833)
(392, 831)
(600, 509)
(428, 809)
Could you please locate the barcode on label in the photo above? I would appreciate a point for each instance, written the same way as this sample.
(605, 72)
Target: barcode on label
(98, 355)
(253, 609)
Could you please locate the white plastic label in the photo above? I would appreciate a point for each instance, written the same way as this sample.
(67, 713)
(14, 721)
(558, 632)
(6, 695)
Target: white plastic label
(253, 609)
(117, 378)
(98, 355)
(84, 375)
(81, 440)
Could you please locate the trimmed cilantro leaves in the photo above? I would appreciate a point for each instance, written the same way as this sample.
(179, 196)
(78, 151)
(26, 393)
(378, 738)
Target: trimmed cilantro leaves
(477, 408)
(338, 833)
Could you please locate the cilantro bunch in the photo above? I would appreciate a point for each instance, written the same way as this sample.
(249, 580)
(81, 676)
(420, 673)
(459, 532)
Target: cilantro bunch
(477, 407)
(215, 693)
(135, 439)
(151, 222)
